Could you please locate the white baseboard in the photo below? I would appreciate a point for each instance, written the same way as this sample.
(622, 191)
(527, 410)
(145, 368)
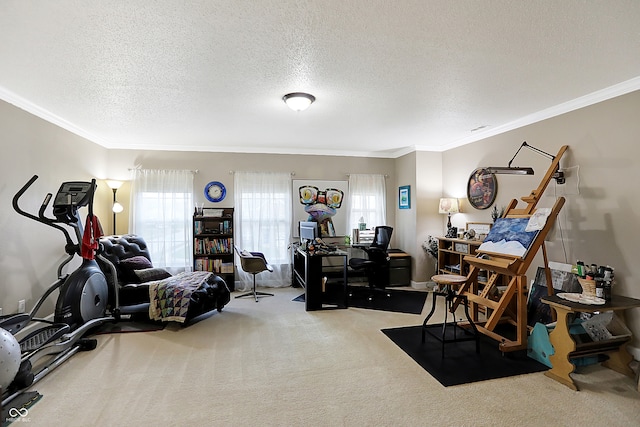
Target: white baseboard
(634, 351)
(422, 285)
(418, 285)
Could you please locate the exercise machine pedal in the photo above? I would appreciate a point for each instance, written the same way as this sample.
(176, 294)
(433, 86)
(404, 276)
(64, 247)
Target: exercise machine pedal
(37, 339)
(87, 344)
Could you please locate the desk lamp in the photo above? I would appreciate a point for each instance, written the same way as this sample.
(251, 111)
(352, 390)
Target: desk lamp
(515, 170)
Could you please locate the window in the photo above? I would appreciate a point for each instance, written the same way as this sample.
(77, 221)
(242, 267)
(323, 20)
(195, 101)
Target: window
(162, 205)
(366, 200)
(263, 223)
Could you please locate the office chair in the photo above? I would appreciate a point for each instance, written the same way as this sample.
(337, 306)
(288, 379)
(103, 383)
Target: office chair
(376, 265)
(254, 263)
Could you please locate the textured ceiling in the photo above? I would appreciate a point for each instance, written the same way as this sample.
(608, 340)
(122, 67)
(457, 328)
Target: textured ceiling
(389, 76)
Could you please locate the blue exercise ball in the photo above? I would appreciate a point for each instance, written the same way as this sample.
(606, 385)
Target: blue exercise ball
(10, 356)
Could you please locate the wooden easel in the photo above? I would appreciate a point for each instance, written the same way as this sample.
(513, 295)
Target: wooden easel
(512, 306)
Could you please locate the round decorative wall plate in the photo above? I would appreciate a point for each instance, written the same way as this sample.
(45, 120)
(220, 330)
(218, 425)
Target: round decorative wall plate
(482, 188)
(215, 191)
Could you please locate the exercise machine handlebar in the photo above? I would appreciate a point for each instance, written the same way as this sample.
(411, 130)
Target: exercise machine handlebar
(41, 217)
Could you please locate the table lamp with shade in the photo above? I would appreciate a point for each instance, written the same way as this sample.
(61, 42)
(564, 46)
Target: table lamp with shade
(449, 205)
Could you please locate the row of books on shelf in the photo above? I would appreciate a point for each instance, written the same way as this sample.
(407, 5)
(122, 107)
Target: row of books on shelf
(207, 246)
(213, 265)
(207, 227)
(453, 268)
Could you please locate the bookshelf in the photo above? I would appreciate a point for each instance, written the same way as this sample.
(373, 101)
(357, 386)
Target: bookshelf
(213, 243)
(451, 253)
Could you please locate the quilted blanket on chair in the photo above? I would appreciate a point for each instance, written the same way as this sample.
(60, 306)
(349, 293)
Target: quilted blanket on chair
(170, 297)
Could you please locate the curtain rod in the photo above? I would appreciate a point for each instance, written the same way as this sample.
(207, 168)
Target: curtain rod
(186, 170)
(349, 174)
(231, 172)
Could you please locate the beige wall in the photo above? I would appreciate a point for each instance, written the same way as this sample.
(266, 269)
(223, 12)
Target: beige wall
(217, 167)
(423, 172)
(404, 230)
(31, 251)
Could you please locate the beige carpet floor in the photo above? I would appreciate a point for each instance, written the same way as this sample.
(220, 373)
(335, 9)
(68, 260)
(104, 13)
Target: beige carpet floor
(272, 363)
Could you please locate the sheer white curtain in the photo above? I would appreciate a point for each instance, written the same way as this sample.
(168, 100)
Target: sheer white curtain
(367, 200)
(263, 224)
(161, 213)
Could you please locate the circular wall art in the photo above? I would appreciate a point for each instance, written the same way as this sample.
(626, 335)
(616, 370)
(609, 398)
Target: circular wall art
(215, 191)
(482, 188)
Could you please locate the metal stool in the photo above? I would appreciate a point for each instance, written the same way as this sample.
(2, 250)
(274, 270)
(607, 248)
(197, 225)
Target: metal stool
(448, 284)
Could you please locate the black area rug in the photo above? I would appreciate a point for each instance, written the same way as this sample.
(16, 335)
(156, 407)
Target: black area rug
(410, 302)
(461, 363)
(398, 301)
(126, 326)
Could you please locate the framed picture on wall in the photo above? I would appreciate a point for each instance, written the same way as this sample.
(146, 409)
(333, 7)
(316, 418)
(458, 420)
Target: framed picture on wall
(404, 197)
(320, 201)
(482, 188)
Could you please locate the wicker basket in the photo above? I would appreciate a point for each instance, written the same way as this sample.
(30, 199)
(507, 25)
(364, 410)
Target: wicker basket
(588, 287)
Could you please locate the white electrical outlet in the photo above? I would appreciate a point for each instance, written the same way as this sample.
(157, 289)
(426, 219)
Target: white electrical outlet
(0, 311)
(21, 306)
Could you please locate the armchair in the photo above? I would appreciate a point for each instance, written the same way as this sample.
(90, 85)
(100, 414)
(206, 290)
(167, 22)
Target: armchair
(376, 265)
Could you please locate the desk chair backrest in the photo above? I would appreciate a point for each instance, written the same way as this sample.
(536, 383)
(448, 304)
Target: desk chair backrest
(253, 263)
(376, 265)
(377, 250)
(382, 237)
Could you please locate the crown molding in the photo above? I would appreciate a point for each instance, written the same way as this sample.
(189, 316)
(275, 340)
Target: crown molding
(605, 94)
(610, 92)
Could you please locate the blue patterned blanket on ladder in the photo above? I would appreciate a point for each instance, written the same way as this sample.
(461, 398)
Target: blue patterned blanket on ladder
(170, 297)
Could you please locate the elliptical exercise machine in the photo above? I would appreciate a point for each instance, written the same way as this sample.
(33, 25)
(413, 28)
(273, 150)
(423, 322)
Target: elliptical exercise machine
(82, 300)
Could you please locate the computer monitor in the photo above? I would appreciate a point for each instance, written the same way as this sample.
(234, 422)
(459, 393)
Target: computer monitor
(308, 231)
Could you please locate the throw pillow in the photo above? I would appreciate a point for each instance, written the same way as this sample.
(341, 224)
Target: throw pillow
(129, 265)
(151, 274)
(136, 263)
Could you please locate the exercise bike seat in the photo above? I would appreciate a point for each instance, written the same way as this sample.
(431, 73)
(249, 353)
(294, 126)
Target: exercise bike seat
(39, 338)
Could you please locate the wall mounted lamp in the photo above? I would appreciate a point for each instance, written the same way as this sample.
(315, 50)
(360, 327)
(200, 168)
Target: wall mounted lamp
(448, 206)
(298, 101)
(117, 207)
(558, 175)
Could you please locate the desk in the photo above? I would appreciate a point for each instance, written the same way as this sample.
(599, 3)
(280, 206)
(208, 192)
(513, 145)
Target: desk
(307, 272)
(399, 264)
(566, 347)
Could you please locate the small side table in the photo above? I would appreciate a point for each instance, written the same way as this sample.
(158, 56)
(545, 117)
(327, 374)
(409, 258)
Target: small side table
(448, 285)
(565, 346)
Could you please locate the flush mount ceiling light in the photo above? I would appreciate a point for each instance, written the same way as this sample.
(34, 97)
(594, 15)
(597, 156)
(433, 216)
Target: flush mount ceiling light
(298, 101)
